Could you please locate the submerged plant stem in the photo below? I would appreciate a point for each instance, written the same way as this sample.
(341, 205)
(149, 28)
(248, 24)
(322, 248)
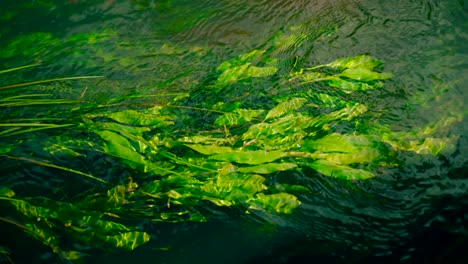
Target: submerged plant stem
(47, 81)
(57, 167)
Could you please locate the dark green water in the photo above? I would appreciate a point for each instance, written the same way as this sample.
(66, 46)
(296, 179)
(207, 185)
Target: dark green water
(415, 213)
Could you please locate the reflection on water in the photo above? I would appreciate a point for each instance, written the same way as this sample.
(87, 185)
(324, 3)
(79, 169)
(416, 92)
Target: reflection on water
(410, 214)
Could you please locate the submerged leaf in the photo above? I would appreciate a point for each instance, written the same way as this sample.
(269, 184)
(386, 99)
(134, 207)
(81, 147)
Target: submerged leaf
(150, 117)
(279, 202)
(232, 188)
(6, 192)
(238, 117)
(365, 75)
(250, 157)
(328, 168)
(286, 107)
(268, 168)
(247, 70)
(119, 146)
(209, 149)
(361, 61)
(128, 240)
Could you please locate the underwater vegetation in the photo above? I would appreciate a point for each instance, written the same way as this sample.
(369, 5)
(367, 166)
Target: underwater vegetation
(209, 147)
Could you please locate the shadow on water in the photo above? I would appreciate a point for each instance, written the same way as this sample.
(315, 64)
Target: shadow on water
(412, 214)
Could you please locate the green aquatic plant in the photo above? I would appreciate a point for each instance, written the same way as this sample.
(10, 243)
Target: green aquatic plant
(211, 149)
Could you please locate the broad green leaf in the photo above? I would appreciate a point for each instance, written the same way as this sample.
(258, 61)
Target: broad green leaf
(233, 74)
(250, 157)
(30, 210)
(240, 60)
(365, 75)
(344, 149)
(150, 117)
(349, 86)
(120, 128)
(361, 61)
(267, 168)
(118, 146)
(286, 107)
(247, 70)
(6, 192)
(233, 188)
(336, 142)
(197, 139)
(237, 117)
(128, 240)
(44, 233)
(209, 149)
(289, 124)
(328, 168)
(283, 203)
(310, 76)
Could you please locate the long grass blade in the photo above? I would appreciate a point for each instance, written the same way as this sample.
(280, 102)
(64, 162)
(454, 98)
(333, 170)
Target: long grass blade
(57, 167)
(19, 68)
(16, 85)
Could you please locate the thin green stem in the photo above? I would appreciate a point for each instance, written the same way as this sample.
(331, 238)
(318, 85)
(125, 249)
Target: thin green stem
(57, 167)
(47, 81)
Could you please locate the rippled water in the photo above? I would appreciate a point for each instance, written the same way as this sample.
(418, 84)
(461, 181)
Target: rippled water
(416, 213)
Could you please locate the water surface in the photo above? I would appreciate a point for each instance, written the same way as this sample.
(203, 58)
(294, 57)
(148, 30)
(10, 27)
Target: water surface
(415, 213)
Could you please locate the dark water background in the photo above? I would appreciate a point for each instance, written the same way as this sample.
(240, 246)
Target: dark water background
(417, 213)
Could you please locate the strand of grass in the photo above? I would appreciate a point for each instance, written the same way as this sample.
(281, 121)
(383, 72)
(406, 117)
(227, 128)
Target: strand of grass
(32, 125)
(7, 133)
(57, 167)
(24, 96)
(114, 100)
(159, 85)
(32, 119)
(48, 81)
(39, 102)
(19, 68)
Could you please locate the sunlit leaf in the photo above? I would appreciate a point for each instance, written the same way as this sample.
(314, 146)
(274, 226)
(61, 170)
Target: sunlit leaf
(209, 149)
(232, 188)
(268, 168)
(286, 107)
(119, 146)
(250, 157)
(350, 86)
(365, 75)
(128, 240)
(361, 61)
(6, 192)
(239, 60)
(197, 139)
(237, 117)
(328, 168)
(247, 70)
(279, 202)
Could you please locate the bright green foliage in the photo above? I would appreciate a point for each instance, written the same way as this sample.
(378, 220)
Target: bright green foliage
(278, 202)
(237, 117)
(241, 68)
(250, 157)
(178, 169)
(286, 107)
(330, 168)
(50, 219)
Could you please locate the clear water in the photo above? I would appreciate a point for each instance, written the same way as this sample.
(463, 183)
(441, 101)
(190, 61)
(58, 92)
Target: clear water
(414, 214)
